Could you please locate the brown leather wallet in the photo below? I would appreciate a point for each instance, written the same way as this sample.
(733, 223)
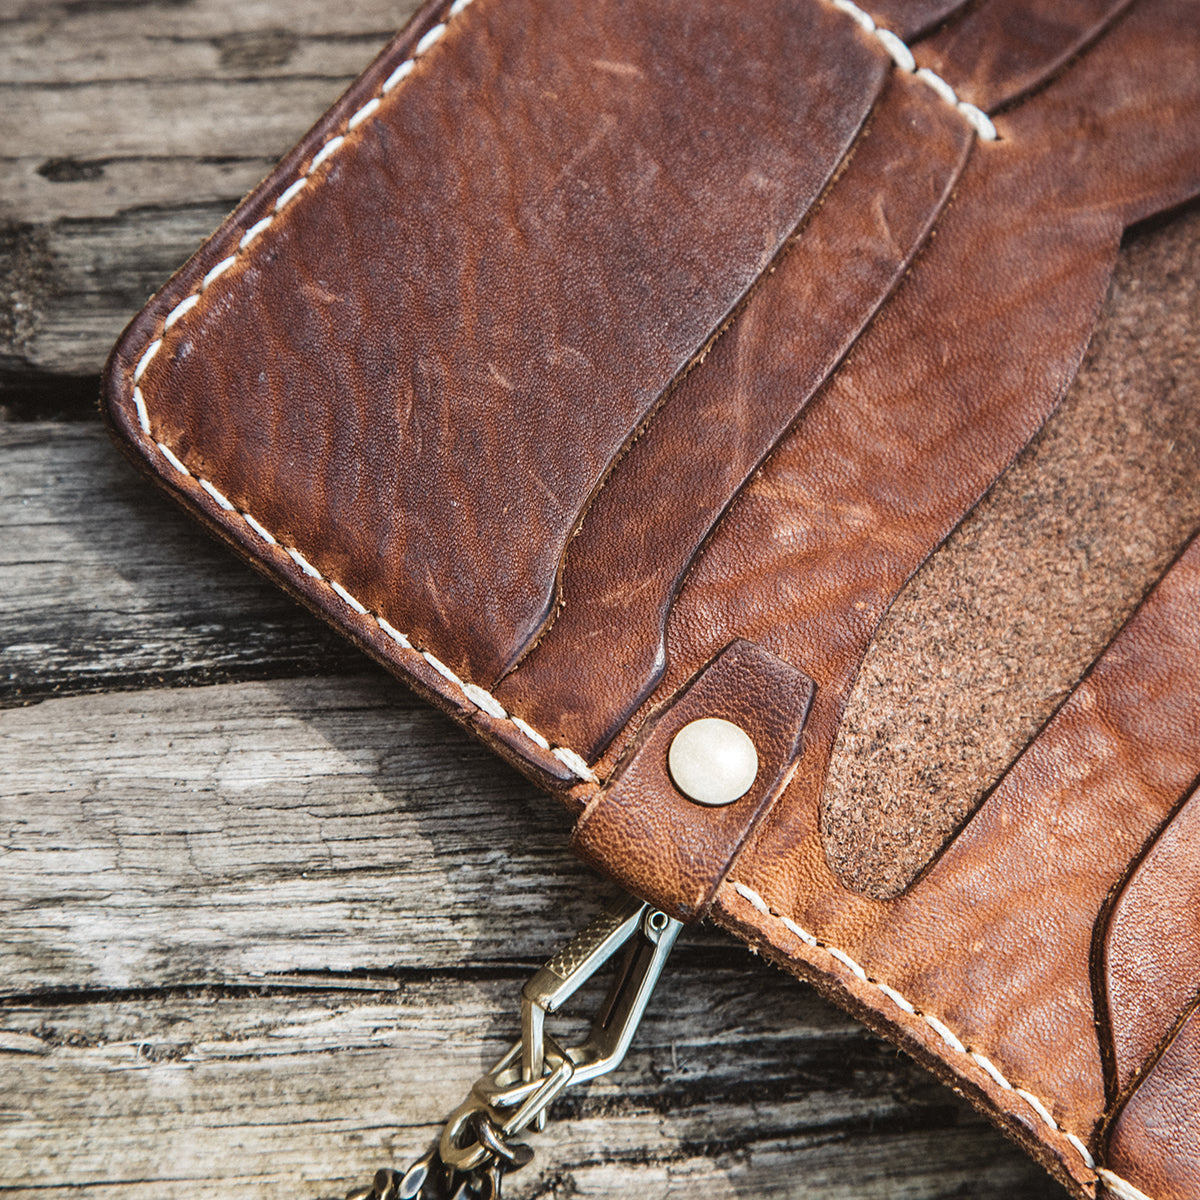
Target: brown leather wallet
(603, 369)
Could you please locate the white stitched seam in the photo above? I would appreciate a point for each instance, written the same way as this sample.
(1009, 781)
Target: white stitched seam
(1121, 1187)
(479, 697)
(902, 56)
(1118, 1185)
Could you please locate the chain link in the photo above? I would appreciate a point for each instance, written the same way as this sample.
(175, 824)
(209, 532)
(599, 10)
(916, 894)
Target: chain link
(476, 1147)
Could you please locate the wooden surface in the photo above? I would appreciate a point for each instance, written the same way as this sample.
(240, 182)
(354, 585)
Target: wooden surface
(265, 916)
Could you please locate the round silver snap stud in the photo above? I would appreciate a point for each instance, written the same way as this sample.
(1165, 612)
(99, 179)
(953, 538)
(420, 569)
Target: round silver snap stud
(712, 761)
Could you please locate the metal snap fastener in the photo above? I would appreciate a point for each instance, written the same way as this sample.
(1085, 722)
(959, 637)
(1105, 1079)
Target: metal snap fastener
(712, 761)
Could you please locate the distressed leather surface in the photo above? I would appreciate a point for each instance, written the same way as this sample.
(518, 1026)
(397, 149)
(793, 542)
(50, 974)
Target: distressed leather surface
(593, 365)
(1004, 49)
(754, 384)
(1155, 1140)
(1151, 957)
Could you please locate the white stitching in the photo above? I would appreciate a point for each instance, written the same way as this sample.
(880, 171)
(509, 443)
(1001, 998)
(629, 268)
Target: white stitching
(357, 605)
(401, 72)
(331, 147)
(219, 497)
(945, 1033)
(139, 402)
(852, 10)
(1038, 1107)
(443, 670)
(531, 733)
(254, 231)
(1082, 1150)
(393, 633)
(170, 457)
(265, 534)
(289, 194)
(980, 119)
(1118, 1185)
(991, 1068)
(143, 362)
(902, 56)
(218, 271)
(302, 562)
(573, 762)
(939, 85)
(180, 310)
(428, 38)
(485, 700)
(368, 110)
(476, 695)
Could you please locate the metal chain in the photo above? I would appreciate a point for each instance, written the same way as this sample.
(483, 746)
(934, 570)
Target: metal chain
(476, 1147)
(430, 1179)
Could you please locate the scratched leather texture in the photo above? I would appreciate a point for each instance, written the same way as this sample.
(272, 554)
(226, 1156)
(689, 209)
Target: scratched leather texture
(598, 366)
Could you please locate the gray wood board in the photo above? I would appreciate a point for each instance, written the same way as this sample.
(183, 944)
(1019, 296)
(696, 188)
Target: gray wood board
(267, 934)
(107, 584)
(127, 131)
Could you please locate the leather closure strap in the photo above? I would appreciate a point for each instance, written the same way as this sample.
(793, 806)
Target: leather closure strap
(645, 833)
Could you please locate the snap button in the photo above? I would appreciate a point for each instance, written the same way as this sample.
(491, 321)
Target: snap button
(712, 761)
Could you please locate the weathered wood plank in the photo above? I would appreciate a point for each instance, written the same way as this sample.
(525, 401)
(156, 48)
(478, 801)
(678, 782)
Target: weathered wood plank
(128, 131)
(741, 1082)
(72, 285)
(386, 884)
(232, 832)
(107, 584)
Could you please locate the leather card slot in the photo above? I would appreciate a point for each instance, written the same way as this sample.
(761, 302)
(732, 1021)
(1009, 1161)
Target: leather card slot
(669, 490)
(912, 19)
(1004, 49)
(1150, 966)
(939, 394)
(1154, 1141)
(420, 372)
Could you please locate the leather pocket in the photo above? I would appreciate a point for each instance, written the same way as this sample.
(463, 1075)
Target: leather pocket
(665, 496)
(435, 343)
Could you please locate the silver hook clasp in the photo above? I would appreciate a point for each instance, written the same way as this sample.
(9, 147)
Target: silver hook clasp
(516, 1093)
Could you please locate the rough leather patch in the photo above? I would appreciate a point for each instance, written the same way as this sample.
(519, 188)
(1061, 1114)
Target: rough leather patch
(1155, 1140)
(995, 630)
(666, 848)
(1151, 956)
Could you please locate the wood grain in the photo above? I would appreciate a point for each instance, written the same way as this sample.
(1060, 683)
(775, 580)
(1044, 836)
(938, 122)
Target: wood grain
(108, 585)
(267, 934)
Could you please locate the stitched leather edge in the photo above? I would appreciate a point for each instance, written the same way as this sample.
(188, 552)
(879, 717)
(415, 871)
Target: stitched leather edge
(856, 985)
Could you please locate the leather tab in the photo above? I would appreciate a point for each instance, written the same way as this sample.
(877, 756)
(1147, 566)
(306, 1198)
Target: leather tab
(1155, 1141)
(643, 832)
(1152, 949)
